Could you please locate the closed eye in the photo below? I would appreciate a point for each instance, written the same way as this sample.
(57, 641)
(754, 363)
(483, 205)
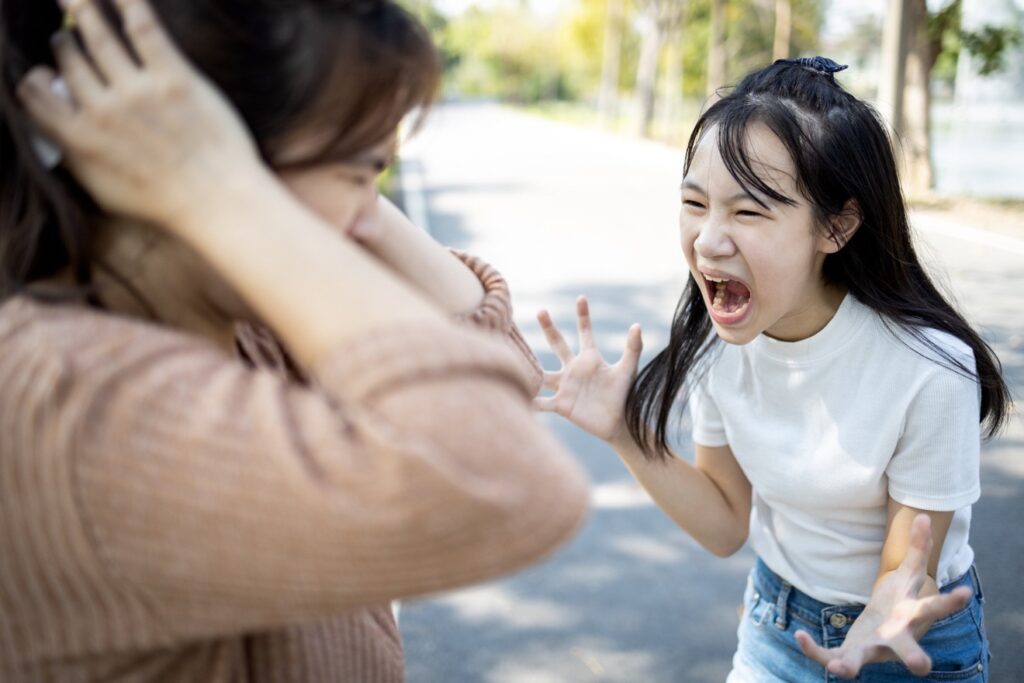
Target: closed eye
(695, 204)
(356, 176)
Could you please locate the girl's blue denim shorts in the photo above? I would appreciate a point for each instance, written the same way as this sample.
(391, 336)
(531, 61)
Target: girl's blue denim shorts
(774, 611)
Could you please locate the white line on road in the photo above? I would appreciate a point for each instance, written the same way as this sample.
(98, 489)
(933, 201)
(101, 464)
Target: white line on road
(960, 231)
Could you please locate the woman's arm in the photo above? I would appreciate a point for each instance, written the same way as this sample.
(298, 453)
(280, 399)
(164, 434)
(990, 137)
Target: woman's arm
(231, 495)
(422, 262)
(228, 499)
(462, 285)
(156, 142)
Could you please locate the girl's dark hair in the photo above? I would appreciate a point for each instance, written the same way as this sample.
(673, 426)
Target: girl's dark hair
(843, 158)
(351, 67)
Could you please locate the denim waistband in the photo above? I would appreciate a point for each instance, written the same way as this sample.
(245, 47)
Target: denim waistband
(834, 619)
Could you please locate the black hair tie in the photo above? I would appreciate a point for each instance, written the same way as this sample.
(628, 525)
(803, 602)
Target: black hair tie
(822, 65)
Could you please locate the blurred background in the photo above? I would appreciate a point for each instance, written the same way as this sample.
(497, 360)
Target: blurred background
(556, 154)
(646, 67)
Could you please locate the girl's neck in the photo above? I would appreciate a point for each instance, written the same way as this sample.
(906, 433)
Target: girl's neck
(812, 318)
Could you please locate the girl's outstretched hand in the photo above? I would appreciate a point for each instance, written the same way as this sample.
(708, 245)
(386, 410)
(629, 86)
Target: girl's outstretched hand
(589, 391)
(140, 129)
(894, 619)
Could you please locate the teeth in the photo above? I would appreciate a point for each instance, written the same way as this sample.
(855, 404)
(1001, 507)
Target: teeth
(719, 294)
(715, 279)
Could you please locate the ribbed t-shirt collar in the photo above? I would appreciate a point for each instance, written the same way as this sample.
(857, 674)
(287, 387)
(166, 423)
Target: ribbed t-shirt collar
(840, 331)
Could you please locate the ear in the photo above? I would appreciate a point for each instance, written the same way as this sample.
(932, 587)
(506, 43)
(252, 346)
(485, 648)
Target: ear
(842, 226)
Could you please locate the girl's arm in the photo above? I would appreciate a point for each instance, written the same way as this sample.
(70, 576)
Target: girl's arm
(897, 542)
(905, 601)
(710, 499)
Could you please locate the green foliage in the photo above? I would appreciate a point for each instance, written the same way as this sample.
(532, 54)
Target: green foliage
(989, 44)
(503, 50)
(509, 53)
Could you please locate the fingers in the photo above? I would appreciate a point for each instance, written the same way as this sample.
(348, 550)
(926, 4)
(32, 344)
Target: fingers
(107, 51)
(47, 108)
(812, 650)
(634, 347)
(544, 404)
(146, 35)
(81, 78)
(555, 339)
(845, 664)
(583, 324)
(552, 380)
(939, 606)
(908, 650)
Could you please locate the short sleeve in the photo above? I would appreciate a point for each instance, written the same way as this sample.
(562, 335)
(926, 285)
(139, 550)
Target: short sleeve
(936, 463)
(708, 429)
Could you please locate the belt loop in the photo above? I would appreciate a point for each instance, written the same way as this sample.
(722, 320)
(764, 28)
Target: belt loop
(977, 584)
(782, 607)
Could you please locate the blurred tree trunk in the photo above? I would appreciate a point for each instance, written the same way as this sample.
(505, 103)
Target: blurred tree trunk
(647, 68)
(607, 104)
(783, 29)
(904, 93)
(894, 59)
(671, 97)
(660, 20)
(916, 128)
(716, 47)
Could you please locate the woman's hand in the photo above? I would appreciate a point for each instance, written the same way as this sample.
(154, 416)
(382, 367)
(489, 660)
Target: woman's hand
(146, 135)
(895, 618)
(588, 391)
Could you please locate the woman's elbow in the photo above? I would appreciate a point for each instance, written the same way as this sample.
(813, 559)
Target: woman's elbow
(549, 501)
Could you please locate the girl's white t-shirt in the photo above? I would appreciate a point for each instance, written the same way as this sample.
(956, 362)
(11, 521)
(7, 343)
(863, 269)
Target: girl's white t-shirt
(828, 428)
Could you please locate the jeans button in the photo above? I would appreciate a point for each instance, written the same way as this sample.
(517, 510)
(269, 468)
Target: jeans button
(838, 620)
(757, 596)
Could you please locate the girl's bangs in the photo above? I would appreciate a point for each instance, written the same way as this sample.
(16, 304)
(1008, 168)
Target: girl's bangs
(733, 120)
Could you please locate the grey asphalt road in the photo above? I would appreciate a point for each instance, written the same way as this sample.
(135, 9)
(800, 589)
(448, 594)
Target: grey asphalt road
(564, 211)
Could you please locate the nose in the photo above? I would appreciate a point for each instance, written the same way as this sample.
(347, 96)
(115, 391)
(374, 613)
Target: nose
(713, 240)
(365, 223)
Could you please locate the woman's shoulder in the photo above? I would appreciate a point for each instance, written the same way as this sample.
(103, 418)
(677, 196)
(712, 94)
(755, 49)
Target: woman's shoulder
(70, 336)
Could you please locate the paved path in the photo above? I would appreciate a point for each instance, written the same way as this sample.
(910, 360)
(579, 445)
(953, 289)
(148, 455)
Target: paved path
(563, 211)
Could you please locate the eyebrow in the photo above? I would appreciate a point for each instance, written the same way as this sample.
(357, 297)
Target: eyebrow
(742, 195)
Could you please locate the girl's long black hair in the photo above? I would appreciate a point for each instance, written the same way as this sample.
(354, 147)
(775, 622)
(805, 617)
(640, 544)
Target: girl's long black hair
(844, 159)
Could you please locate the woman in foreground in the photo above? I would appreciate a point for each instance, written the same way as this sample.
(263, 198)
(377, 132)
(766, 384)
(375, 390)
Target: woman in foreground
(244, 405)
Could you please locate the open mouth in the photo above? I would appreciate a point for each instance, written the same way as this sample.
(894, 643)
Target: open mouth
(730, 299)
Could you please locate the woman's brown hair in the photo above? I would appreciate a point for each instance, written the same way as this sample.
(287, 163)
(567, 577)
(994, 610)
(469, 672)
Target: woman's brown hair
(351, 68)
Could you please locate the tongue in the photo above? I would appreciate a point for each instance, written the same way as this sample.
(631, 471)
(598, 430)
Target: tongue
(732, 296)
(737, 289)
